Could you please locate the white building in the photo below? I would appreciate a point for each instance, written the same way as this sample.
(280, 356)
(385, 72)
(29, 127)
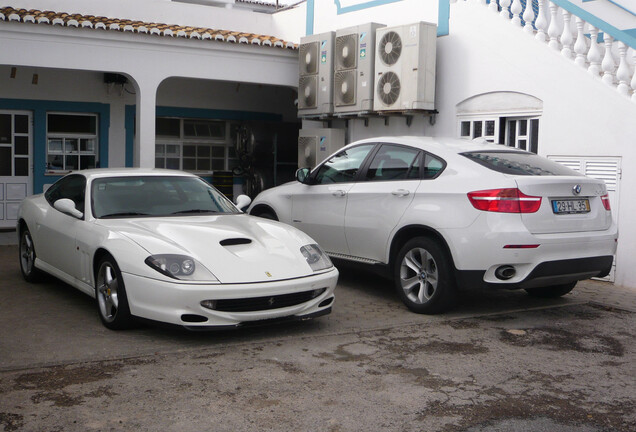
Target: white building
(78, 89)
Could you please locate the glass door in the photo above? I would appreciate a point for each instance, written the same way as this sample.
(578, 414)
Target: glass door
(15, 164)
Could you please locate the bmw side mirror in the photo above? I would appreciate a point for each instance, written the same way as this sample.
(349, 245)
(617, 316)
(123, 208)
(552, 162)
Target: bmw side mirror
(67, 206)
(302, 175)
(243, 202)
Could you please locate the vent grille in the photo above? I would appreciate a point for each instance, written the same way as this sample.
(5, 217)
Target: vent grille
(345, 85)
(307, 90)
(307, 151)
(346, 47)
(390, 48)
(389, 88)
(308, 58)
(267, 302)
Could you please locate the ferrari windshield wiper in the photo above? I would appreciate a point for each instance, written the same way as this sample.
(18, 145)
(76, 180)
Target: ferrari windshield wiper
(124, 214)
(194, 211)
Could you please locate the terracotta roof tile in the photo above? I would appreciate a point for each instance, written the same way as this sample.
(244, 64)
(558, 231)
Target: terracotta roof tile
(34, 16)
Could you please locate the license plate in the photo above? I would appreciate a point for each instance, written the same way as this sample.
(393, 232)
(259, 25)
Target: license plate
(571, 206)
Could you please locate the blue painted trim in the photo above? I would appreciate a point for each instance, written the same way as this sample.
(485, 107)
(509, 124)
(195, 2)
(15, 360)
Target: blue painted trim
(195, 113)
(443, 18)
(309, 20)
(631, 32)
(597, 22)
(355, 8)
(39, 108)
(129, 126)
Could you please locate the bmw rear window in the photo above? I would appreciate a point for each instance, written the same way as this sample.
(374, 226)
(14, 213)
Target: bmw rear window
(519, 163)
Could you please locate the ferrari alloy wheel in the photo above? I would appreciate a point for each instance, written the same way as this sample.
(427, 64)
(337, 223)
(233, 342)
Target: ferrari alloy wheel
(112, 303)
(27, 257)
(423, 277)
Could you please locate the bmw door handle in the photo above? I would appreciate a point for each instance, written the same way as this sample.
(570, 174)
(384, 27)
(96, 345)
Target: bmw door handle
(400, 192)
(338, 193)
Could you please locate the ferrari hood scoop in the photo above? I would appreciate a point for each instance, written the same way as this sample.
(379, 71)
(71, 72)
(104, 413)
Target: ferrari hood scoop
(235, 241)
(235, 248)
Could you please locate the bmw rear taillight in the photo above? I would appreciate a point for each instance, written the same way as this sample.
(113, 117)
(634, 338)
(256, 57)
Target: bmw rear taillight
(504, 201)
(606, 203)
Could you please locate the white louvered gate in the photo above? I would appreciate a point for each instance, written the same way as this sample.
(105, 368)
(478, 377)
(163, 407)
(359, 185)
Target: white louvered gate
(607, 169)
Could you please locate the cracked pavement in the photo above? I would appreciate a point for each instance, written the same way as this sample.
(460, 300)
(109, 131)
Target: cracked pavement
(501, 361)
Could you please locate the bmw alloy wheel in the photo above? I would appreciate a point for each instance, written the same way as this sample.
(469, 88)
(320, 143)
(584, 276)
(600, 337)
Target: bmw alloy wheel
(419, 276)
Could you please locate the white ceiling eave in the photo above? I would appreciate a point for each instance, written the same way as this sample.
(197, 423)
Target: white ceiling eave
(138, 55)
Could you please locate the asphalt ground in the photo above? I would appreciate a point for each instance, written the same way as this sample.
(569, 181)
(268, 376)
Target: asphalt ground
(501, 361)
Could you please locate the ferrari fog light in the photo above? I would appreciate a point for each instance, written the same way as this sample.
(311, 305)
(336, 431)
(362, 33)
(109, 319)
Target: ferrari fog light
(209, 304)
(315, 257)
(180, 267)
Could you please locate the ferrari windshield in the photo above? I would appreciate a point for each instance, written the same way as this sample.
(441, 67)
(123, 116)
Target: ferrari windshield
(116, 197)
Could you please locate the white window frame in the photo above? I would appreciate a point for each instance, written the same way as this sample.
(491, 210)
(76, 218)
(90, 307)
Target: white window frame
(499, 119)
(229, 158)
(71, 136)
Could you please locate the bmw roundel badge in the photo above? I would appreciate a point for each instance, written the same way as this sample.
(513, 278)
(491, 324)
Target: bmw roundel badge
(576, 189)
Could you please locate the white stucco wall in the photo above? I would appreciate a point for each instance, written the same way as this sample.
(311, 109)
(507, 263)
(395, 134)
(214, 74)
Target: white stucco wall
(328, 17)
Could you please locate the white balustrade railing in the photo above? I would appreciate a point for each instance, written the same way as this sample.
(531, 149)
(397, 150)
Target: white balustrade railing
(609, 58)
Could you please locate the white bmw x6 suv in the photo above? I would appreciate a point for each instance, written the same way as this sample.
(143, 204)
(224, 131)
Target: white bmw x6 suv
(442, 213)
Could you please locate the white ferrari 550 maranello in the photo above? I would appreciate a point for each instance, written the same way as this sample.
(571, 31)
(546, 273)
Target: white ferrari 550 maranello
(166, 246)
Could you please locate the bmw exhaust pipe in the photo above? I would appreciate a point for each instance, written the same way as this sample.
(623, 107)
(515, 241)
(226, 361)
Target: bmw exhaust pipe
(505, 272)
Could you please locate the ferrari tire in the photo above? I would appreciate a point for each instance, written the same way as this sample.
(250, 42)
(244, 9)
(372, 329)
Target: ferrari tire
(27, 258)
(110, 295)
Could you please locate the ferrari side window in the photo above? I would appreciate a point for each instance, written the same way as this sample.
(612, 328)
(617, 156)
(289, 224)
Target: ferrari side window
(72, 187)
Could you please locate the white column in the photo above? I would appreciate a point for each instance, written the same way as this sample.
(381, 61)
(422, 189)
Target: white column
(608, 63)
(580, 46)
(553, 30)
(594, 54)
(542, 22)
(516, 9)
(623, 72)
(566, 36)
(146, 100)
(493, 5)
(528, 17)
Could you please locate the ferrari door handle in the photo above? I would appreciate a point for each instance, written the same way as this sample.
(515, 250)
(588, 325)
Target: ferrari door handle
(400, 192)
(338, 193)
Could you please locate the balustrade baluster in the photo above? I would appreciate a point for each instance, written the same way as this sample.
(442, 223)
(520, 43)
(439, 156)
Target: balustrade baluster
(528, 17)
(622, 73)
(505, 11)
(542, 22)
(580, 46)
(553, 30)
(515, 9)
(493, 5)
(594, 54)
(608, 63)
(566, 36)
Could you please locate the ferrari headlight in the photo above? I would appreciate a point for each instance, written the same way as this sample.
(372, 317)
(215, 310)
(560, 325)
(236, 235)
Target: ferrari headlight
(315, 257)
(180, 267)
